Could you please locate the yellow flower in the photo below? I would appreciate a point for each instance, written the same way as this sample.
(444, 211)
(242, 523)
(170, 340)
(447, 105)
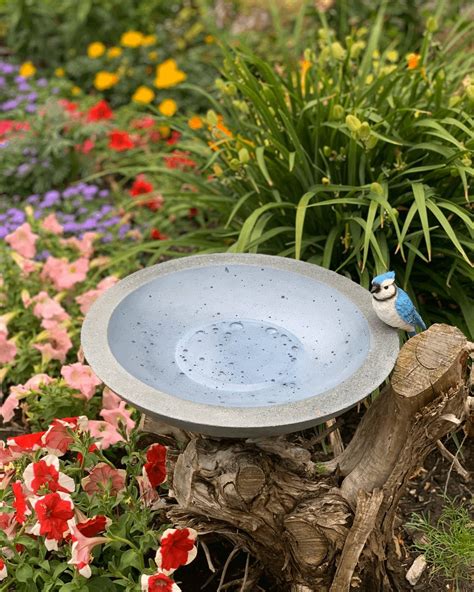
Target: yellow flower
(195, 122)
(392, 56)
(27, 69)
(209, 39)
(148, 40)
(165, 131)
(168, 107)
(153, 55)
(114, 52)
(59, 72)
(413, 59)
(132, 39)
(143, 94)
(75, 90)
(168, 74)
(95, 50)
(104, 80)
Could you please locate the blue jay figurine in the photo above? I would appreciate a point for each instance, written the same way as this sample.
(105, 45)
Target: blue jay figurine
(393, 306)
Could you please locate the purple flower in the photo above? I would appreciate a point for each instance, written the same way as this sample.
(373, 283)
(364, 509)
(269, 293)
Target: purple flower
(10, 105)
(42, 82)
(2, 80)
(19, 79)
(30, 108)
(32, 199)
(50, 198)
(6, 68)
(104, 193)
(24, 87)
(23, 169)
(71, 227)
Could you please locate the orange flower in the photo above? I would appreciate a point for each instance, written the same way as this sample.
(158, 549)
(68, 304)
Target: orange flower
(195, 122)
(413, 59)
(168, 74)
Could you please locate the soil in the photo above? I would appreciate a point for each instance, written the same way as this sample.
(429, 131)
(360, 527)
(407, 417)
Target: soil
(425, 495)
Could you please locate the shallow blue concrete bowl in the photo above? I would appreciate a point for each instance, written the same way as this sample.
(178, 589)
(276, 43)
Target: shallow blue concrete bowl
(239, 345)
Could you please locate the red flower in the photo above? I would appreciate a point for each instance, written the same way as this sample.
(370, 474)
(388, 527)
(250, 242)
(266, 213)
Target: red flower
(140, 186)
(26, 442)
(8, 125)
(45, 474)
(155, 466)
(193, 212)
(53, 512)
(100, 111)
(3, 570)
(155, 234)
(144, 123)
(58, 436)
(94, 526)
(120, 141)
(179, 160)
(20, 502)
(177, 548)
(68, 106)
(158, 583)
(174, 138)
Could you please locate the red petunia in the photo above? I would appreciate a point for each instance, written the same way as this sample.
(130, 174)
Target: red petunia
(68, 105)
(155, 234)
(58, 436)
(140, 186)
(45, 474)
(3, 570)
(174, 138)
(179, 160)
(100, 111)
(25, 443)
(53, 512)
(177, 548)
(158, 582)
(86, 146)
(120, 141)
(20, 502)
(155, 466)
(94, 526)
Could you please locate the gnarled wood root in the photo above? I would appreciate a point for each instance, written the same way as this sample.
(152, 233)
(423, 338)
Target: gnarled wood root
(309, 528)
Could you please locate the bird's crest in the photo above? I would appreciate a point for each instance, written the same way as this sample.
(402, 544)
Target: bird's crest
(388, 275)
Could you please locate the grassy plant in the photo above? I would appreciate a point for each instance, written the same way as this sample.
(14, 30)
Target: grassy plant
(357, 159)
(448, 545)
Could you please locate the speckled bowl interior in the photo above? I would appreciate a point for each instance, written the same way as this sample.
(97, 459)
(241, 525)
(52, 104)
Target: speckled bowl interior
(235, 334)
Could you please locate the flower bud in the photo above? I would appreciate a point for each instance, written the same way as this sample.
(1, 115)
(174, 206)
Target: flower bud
(244, 155)
(432, 24)
(241, 106)
(371, 142)
(337, 51)
(327, 151)
(211, 117)
(353, 123)
(337, 112)
(364, 131)
(376, 188)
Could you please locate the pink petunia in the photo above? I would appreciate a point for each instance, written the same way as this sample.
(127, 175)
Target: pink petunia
(23, 241)
(7, 410)
(58, 437)
(58, 344)
(85, 245)
(46, 307)
(81, 377)
(7, 349)
(86, 299)
(110, 400)
(102, 478)
(119, 415)
(81, 550)
(51, 224)
(65, 274)
(177, 548)
(105, 433)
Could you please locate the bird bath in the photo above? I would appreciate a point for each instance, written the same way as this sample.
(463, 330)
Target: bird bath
(239, 345)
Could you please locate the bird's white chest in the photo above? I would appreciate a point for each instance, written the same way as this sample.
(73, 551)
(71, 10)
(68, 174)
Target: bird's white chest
(386, 311)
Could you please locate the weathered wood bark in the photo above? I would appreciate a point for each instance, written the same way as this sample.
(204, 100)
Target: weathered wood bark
(313, 526)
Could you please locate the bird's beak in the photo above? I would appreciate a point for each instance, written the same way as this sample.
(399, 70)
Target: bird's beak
(375, 288)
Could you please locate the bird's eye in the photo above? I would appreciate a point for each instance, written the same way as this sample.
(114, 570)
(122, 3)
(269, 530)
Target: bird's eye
(385, 287)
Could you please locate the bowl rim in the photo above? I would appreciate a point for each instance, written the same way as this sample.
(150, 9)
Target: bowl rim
(239, 421)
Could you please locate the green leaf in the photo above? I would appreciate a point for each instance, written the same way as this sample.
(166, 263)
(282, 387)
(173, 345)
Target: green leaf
(24, 573)
(448, 229)
(101, 584)
(420, 200)
(373, 207)
(259, 152)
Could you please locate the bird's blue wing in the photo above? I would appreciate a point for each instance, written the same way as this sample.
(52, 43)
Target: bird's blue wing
(406, 309)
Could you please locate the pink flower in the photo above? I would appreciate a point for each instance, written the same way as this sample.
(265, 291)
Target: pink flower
(81, 377)
(8, 524)
(32, 384)
(53, 511)
(158, 582)
(48, 308)
(51, 224)
(85, 245)
(45, 475)
(58, 344)
(7, 410)
(58, 436)
(105, 433)
(103, 478)
(149, 496)
(7, 349)
(177, 548)
(81, 551)
(119, 415)
(22, 240)
(86, 300)
(64, 274)
(110, 400)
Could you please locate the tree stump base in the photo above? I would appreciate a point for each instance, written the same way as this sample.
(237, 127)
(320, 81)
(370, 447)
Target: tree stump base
(316, 527)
